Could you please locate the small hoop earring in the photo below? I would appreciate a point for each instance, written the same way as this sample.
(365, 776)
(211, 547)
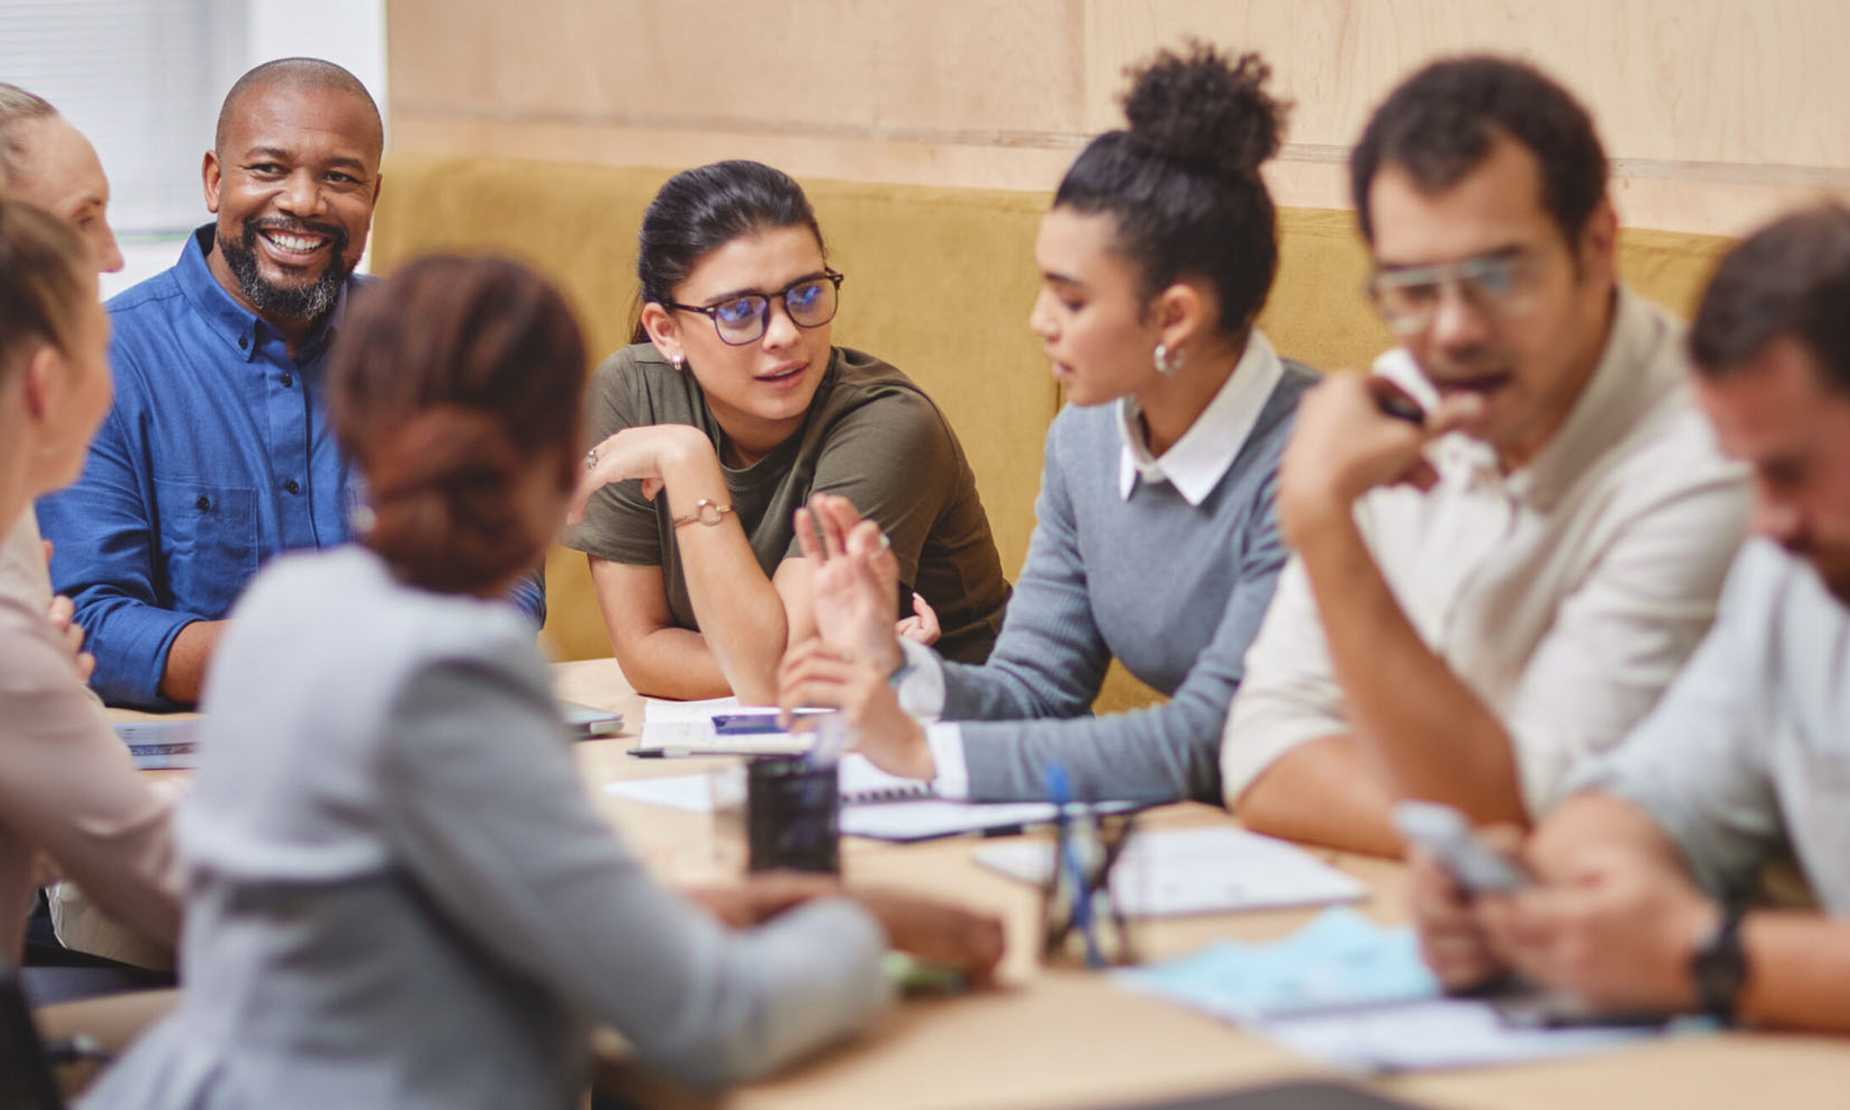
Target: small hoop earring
(678, 362)
(1168, 365)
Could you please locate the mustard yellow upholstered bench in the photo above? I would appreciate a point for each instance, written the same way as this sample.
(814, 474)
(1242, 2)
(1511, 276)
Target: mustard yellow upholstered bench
(940, 282)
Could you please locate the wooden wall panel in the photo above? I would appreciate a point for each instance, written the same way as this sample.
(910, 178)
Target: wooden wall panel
(1716, 112)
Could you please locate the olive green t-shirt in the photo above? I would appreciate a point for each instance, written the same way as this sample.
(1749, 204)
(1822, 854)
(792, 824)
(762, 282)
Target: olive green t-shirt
(871, 436)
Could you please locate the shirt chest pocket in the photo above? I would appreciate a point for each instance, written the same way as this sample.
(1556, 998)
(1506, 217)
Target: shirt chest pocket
(208, 544)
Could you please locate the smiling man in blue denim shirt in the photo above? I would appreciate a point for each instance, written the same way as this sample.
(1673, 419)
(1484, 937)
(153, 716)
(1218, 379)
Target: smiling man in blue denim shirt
(217, 453)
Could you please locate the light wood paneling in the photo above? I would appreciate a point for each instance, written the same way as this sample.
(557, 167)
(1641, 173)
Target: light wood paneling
(1716, 112)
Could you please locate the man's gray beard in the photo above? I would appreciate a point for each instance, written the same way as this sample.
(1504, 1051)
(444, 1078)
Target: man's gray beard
(306, 304)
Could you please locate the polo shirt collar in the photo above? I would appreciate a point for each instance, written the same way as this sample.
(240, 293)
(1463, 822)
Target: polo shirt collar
(1632, 375)
(1195, 463)
(241, 329)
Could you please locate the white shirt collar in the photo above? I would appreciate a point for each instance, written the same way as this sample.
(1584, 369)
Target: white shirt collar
(1195, 463)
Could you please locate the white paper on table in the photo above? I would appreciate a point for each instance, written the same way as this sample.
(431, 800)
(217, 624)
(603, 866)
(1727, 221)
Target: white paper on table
(1443, 1033)
(665, 711)
(691, 793)
(1172, 872)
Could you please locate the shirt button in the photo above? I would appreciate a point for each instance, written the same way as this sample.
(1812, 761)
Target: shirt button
(292, 486)
(244, 342)
(203, 504)
(288, 380)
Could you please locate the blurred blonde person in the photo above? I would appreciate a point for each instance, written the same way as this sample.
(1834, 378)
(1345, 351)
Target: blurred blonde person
(67, 787)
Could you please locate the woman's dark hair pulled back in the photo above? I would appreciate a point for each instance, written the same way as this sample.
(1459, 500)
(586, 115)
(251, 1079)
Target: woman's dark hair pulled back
(1182, 181)
(447, 381)
(700, 210)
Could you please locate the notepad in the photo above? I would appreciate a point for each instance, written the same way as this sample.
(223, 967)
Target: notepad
(162, 745)
(1176, 872)
(685, 728)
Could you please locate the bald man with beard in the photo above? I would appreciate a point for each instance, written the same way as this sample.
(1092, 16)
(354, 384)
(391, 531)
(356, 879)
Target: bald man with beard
(218, 454)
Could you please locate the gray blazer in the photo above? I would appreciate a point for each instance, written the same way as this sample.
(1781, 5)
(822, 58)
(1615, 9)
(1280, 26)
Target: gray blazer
(401, 896)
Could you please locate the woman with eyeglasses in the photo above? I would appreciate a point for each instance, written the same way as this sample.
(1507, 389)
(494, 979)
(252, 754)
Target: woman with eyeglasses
(729, 411)
(1155, 541)
(400, 892)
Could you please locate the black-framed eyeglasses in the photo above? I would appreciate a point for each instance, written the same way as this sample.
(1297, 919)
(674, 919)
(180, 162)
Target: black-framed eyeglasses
(809, 302)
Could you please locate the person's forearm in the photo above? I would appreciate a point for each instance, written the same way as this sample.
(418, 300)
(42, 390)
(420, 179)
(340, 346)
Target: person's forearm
(673, 663)
(1798, 972)
(1592, 819)
(1436, 740)
(740, 615)
(1323, 792)
(184, 677)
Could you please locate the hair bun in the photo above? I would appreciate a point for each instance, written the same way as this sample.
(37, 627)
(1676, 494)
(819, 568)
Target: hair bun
(1198, 107)
(441, 492)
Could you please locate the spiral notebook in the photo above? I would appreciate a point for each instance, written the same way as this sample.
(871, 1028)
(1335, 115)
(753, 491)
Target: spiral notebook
(875, 804)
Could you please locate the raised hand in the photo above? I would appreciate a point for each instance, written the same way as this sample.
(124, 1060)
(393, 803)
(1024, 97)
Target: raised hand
(817, 673)
(855, 581)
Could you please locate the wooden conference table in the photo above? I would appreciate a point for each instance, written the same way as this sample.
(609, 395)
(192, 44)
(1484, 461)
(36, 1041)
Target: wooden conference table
(1065, 1037)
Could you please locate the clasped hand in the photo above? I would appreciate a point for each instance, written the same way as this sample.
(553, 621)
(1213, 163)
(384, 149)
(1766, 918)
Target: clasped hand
(1344, 445)
(1616, 930)
(646, 454)
(930, 929)
(62, 616)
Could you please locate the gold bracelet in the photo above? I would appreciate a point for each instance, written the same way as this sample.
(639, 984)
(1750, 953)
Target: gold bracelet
(706, 512)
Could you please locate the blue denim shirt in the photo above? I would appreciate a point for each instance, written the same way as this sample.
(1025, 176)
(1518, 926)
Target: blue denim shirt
(216, 455)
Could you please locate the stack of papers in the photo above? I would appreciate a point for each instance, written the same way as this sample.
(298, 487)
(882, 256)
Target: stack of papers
(1346, 990)
(1172, 872)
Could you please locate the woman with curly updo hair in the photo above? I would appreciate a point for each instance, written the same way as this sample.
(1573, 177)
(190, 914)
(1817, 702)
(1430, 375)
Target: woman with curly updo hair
(1155, 542)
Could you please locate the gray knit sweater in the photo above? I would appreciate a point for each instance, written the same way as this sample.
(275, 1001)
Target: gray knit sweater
(1176, 591)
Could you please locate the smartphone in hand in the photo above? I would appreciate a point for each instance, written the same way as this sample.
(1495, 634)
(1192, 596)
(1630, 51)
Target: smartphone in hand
(1445, 834)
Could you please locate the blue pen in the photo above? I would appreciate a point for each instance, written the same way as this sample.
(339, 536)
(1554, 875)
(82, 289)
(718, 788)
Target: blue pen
(1059, 791)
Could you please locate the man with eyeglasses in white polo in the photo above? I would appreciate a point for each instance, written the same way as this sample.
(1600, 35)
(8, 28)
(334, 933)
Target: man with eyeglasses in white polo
(1500, 582)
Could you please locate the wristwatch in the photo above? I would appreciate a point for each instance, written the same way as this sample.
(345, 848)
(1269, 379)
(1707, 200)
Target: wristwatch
(706, 511)
(1719, 964)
